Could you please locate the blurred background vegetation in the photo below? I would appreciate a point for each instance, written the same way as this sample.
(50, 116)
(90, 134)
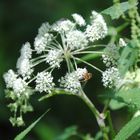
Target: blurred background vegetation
(19, 21)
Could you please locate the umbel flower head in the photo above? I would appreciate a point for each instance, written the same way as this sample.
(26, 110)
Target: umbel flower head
(61, 43)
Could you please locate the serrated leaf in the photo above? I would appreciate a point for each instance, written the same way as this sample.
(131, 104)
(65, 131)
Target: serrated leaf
(130, 97)
(29, 128)
(117, 10)
(131, 127)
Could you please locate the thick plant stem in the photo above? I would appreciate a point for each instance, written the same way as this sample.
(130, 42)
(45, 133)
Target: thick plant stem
(99, 117)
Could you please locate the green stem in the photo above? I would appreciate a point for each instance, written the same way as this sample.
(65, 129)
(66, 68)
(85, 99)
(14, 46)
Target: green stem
(88, 64)
(122, 27)
(112, 131)
(99, 117)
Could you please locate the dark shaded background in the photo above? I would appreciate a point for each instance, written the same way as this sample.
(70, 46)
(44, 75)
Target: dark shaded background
(19, 21)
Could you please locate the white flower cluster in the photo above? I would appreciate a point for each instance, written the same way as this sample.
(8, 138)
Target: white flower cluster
(111, 55)
(63, 26)
(54, 58)
(24, 65)
(17, 84)
(111, 77)
(53, 51)
(71, 81)
(44, 82)
(97, 29)
(79, 19)
(64, 40)
(76, 40)
(42, 42)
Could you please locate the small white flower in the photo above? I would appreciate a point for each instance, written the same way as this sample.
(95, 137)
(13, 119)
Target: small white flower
(122, 43)
(80, 72)
(79, 19)
(26, 50)
(19, 86)
(45, 28)
(54, 58)
(71, 82)
(24, 67)
(63, 26)
(111, 55)
(44, 82)
(9, 78)
(41, 42)
(94, 15)
(98, 28)
(76, 40)
(111, 77)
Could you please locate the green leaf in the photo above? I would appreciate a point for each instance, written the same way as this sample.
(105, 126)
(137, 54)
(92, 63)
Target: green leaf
(70, 131)
(131, 127)
(128, 57)
(117, 10)
(115, 105)
(29, 128)
(130, 97)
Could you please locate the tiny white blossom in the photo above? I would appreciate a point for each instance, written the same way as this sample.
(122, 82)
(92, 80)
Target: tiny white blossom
(9, 78)
(98, 28)
(26, 50)
(63, 26)
(24, 67)
(70, 82)
(80, 72)
(45, 28)
(94, 15)
(41, 42)
(122, 43)
(111, 55)
(19, 86)
(44, 82)
(79, 19)
(76, 39)
(54, 58)
(111, 77)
